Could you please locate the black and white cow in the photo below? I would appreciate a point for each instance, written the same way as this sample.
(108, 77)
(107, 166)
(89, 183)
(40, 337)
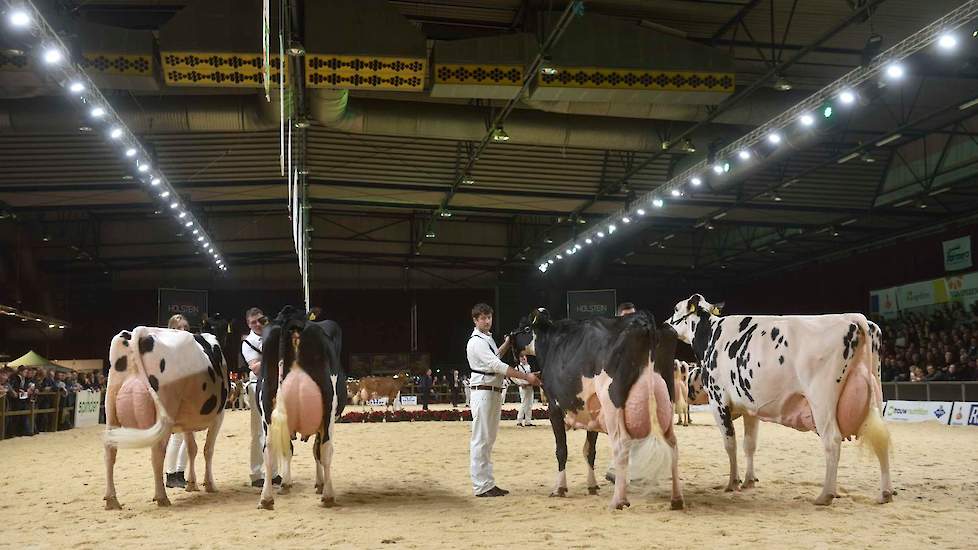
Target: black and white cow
(808, 372)
(599, 375)
(163, 381)
(301, 390)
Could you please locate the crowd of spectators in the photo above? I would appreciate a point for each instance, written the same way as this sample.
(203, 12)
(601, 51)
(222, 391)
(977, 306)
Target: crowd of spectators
(25, 387)
(940, 346)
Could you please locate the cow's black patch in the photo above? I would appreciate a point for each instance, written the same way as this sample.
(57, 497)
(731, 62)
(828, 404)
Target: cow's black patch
(727, 421)
(162, 365)
(763, 332)
(154, 383)
(774, 333)
(126, 335)
(209, 405)
(702, 338)
(121, 364)
(849, 341)
(204, 387)
(146, 344)
(744, 323)
(212, 374)
(744, 339)
(781, 360)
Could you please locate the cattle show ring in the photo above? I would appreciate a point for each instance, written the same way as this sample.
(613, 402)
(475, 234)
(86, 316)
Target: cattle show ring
(437, 274)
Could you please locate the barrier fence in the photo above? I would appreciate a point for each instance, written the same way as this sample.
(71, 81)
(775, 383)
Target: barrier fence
(49, 411)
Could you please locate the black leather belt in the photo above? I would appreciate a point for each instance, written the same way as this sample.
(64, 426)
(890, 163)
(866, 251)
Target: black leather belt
(488, 388)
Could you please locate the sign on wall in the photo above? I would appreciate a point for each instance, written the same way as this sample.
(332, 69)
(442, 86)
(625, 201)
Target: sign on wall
(957, 254)
(965, 413)
(918, 411)
(192, 304)
(584, 304)
(86, 408)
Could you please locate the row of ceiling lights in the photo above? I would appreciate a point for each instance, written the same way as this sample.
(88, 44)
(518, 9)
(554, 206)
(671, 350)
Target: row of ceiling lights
(26, 18)
(806, 120)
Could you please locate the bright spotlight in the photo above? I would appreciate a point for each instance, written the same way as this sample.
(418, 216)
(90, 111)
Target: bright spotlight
(53, 56)
(611, 229)
(188, 224)
(174, 205)
(182, 215)
(807, 119)
(155, 181)
(600, 234)
(675, 192)
(19, 19)
(640, 211)
(657, 203)
(894, 71)
(131, 152)
(947, 41)
(143, 168)
(76, 87)
(116, 133)
(97, 112)
(695, 180)
(164, 194)
(847, 97)
(774, 138)
(588, 240)
(718, 169)
(744, 154)
(624, 219)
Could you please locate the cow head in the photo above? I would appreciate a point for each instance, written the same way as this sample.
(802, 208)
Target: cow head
(688, 313)
(524, 338)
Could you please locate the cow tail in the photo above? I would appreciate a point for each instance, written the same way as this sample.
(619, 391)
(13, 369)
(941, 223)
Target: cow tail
(279, 437)
(133, 438)
(873, 432)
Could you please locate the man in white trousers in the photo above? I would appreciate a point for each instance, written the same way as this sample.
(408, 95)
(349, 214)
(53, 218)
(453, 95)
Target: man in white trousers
(486, 383)
(524, 417)
(251, 351)
(175, 461)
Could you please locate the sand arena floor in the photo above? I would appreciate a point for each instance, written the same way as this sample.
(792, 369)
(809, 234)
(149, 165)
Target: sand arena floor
(406, 485)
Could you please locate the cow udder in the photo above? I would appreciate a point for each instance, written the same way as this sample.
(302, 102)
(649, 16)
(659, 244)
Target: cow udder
(303, 402)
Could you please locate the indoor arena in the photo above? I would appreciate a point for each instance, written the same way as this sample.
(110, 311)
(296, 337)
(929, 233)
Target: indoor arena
(488, 273)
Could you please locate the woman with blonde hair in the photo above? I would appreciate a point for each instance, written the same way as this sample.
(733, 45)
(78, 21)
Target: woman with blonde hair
(176, 449)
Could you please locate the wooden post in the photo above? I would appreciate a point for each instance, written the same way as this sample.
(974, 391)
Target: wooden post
(3, 417)
(33, 408)
(57, 411)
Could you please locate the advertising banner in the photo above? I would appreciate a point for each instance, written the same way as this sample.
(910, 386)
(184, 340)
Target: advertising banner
(965, 413)
(86, 408)
(584, 304)
(192, 304)
(884, 301)
(918, 411)
(957, 254)
(924, 293)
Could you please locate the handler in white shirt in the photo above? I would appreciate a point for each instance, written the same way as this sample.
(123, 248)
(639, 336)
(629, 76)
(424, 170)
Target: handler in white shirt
(251, 351)
(486, 384)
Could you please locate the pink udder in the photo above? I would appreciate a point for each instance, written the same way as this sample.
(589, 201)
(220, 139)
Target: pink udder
(854, 400)
(303, 402)
(797, 413)
(134, 405)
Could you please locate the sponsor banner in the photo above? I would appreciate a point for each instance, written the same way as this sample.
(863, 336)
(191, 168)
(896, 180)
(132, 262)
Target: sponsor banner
(963, 288)
(584, 304)
(918, 411)
(192, 304)
(699, 408)
(86, 408)
(924, 293)
(884, 301)
(409, 400)
(965, 413)
(957, 254)
(404, 400)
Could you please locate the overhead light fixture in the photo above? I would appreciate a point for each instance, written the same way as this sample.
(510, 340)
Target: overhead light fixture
(543, 267)
(97, 112)
(782, 84)
(889, 139)
(548, 70)
(164, 194)
(155, 181)
(200, 238)
(947, 41)
(569, 251)
(968, 105)
(894, 71)
(174, 205)
(600, 234)
(188, 224)
(468, 180)
(847, 158)
(19, 19)
(559, 257)
(774, 138)
(116, 133)
(499, 134)
(131, 152)
(718, 169)
(76, 87)
(549, 240)
(445, 214)
(687, 146)
(588, 240)
(850, 221)
(866, 157)
(847, 97)
(296, 50)
(695, 180)
(550, 261)
(430, 235)
(143, 168)
(182, 215)
(301, 123)
(675, 192)
(612, 228)
(744, 154)
(806, 119)
(624, 219)
(53, 56)
(657, 202)
(777, 198)
(720, 216)
(640, 211)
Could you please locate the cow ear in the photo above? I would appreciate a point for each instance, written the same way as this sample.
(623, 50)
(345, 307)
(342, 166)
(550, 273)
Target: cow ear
(717, 307)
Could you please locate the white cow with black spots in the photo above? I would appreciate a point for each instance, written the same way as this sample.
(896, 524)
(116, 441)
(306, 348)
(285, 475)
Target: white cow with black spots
(812, 372)
(163, 381)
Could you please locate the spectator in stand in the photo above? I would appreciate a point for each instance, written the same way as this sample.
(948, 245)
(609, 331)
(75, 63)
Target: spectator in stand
(455, 384)
(425, 387)
(933, 374)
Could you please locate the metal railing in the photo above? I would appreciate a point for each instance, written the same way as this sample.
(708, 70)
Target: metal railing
(930, 391)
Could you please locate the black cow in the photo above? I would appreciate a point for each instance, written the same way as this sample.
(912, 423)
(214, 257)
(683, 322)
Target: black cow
(598, 376)
(309, 355)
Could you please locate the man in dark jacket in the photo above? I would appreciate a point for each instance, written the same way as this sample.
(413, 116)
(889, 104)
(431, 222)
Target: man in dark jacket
(426, 383)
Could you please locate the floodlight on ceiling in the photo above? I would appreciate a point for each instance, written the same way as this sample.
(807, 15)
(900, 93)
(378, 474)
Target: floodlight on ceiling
(695, 180)
(53, 56)
(76, 87)
(19, 19)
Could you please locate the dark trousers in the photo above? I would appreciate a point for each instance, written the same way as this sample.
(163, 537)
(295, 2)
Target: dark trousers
(424, 399)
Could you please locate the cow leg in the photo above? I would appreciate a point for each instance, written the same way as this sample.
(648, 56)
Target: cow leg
(750, 445)
(326, 455)
(158, 450)
(560, 438)
(111, 502)
(317, 454)
(828, 429)
(677, 502)
(590, 450)
(620, 447)
(725, 422)
(209, 443)
(188, 437)
(266, 500)
(286, 466)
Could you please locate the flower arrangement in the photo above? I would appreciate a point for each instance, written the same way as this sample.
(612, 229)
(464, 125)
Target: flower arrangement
(445, 415)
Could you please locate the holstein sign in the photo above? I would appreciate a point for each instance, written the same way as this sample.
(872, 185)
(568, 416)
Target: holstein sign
(957, 254)
(584, 304)
(192, 304)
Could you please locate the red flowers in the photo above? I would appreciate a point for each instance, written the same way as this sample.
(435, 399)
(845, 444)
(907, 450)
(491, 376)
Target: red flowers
(446, 415)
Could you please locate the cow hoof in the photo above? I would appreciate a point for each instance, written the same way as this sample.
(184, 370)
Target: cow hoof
(621, 505)
(678, 504)
(209, 487)
(266, 504)
(749, 484)
(162, 502)
(887, 496)
(319, 488)
(592, 490)
(561, 492)
(192, 487)
(732, 487)
(285, 489)
(328, 502)
(112, 503)
(824, 499)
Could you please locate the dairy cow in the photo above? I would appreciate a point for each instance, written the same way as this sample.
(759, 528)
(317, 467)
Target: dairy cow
(301, 390)
(163, 381)
(599, 376)
(817, 372)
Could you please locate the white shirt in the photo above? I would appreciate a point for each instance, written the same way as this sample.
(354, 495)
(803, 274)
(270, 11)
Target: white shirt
(250, 354)
(481, 352)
